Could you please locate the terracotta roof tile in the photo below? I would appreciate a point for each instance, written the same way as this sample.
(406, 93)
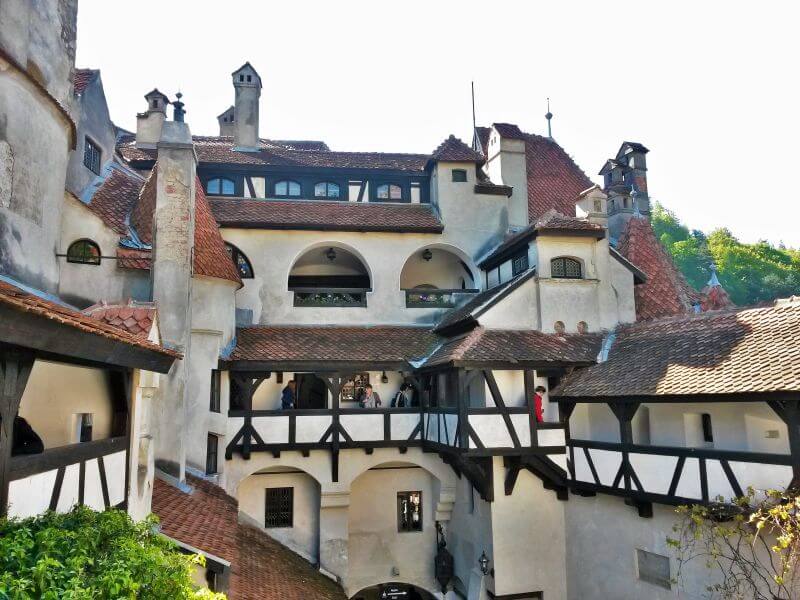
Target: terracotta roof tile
(211, 258)
(328, 216)
(115, 198)
(740, 352)
(553, 220)
(130, 258)
(666, 291)
(22, 300)
(82, 78)
(207, 519)
(134, 317)
(489, 345)
(454, 150)
(330, 344)
(142, 213)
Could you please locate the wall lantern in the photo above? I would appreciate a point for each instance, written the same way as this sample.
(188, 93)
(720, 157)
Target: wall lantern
(331, 254)
(384, 377)
(483, 562)
(427, 254)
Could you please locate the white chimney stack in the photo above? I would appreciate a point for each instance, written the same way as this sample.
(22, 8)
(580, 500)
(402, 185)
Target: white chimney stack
(247, 85)
(150, 122)
(226, 121)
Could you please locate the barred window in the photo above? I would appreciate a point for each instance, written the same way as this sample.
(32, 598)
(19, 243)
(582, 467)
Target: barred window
(519, 264)
(279, 510)
(83, 251)
(409, 511)
(565, 268)
(91, 155)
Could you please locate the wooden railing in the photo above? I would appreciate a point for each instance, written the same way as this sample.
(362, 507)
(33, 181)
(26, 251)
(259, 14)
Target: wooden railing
(673, 475)
(90, 473)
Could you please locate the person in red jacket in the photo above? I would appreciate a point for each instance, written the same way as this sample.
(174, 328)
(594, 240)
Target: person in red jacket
(537, 403)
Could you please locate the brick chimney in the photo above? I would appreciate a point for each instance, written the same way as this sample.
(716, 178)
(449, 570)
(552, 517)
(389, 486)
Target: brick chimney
(625, 182)
(247, 85)
(149, 123)
(225, 120)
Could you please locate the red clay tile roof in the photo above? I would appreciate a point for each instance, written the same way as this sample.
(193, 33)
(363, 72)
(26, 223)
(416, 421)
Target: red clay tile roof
(115, 198)
(554, 221)
(220, 150)
(666, 291)
(82, 78)
(509, 131)
(384, 343)
(454, 150)
(24, 301)
(130, 258)
(725, 352)
(325, 216)
(136, 318)
(211, 259)
(207, 519)
(516, 346)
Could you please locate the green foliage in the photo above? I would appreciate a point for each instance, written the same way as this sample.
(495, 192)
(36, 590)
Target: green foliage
(751, 545)
(750, 273)
(87, 554)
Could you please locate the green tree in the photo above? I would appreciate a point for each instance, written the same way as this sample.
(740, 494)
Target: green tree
(91, 555)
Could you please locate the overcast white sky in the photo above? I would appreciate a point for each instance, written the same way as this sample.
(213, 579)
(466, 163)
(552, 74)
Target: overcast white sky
(710, 87)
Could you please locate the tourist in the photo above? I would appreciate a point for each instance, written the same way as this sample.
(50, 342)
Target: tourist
(288, 395)
(537, 403)
(371, 399)
(401, 399)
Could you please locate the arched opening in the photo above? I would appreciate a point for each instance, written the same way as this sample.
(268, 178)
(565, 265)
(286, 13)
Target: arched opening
(392, 591)
(84, 252)
(564, 267)
(436, 276)
(285, 503)
(329, 275)
(241, 261)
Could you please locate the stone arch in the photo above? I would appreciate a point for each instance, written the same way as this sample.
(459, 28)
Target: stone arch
(312, 261)
(457, 263)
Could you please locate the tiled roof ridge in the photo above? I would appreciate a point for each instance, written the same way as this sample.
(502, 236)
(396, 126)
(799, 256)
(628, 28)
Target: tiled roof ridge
(82, 78)
(453, 149)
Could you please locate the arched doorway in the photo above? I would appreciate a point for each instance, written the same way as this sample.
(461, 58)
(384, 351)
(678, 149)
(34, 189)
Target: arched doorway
(393, 591)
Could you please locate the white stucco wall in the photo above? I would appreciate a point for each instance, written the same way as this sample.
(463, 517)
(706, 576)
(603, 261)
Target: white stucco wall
(56, 392)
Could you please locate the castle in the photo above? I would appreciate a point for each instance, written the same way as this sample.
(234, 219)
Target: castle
(159, 291)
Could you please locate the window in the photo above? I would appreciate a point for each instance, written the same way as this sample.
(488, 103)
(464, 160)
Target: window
(326, 189)
(653, 568)
(84, 251)
(279, 510)
(565, 268)
(287, 188)
(519, 264)
(708, 432)
(240, 260)
(389, 191)
(91, 155)
(85, 425)
(216, 379)
(409, 511)
(211, 454)
(220, 186)
(459, 175)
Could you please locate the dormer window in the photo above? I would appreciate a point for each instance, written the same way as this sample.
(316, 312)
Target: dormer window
(287, 189)
(220, 186)
(326, 189)
(389, 191)
(241, 77)
(565, 268)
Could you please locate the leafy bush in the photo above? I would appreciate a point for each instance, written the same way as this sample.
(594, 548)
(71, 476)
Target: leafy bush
(87, 554)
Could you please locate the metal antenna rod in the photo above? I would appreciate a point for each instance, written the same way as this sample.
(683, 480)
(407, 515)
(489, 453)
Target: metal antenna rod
(549, 116)
(474, 124)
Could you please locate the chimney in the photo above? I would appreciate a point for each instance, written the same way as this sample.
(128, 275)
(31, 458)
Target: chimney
(226, 127)
(506, 165)
(625, 182)
(173, 249)
(591, 205)
(247, 85)
(148, 123)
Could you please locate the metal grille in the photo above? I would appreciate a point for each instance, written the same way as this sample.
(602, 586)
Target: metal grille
(519, 264)
(91, 156)
(409, 511)
(565, 268)
(279, 510)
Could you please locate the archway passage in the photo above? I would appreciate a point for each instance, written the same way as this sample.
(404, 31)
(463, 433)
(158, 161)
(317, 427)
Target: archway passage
(393, 591)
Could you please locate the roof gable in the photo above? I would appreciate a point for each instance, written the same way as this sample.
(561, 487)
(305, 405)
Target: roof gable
(454, 150)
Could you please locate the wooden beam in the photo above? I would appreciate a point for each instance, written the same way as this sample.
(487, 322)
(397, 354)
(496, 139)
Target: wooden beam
(498, 400)
(15, 369)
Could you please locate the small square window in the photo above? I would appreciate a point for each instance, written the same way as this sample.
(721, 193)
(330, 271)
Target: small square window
(279, 509)
(653, 568)
(409, 511)
(216, 378)
(91, 156)
(459, 175)
(211, 454)
(519, 264)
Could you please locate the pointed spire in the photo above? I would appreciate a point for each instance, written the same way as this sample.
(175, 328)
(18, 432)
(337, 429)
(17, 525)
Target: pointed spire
(549, 117)
(714, 280)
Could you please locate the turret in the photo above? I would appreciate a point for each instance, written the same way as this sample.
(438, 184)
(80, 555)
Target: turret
(625, 182)
(149, 122)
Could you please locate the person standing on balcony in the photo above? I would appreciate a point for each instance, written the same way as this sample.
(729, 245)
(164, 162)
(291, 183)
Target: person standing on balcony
(288, 396)
(537, 403)
(371, 399)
